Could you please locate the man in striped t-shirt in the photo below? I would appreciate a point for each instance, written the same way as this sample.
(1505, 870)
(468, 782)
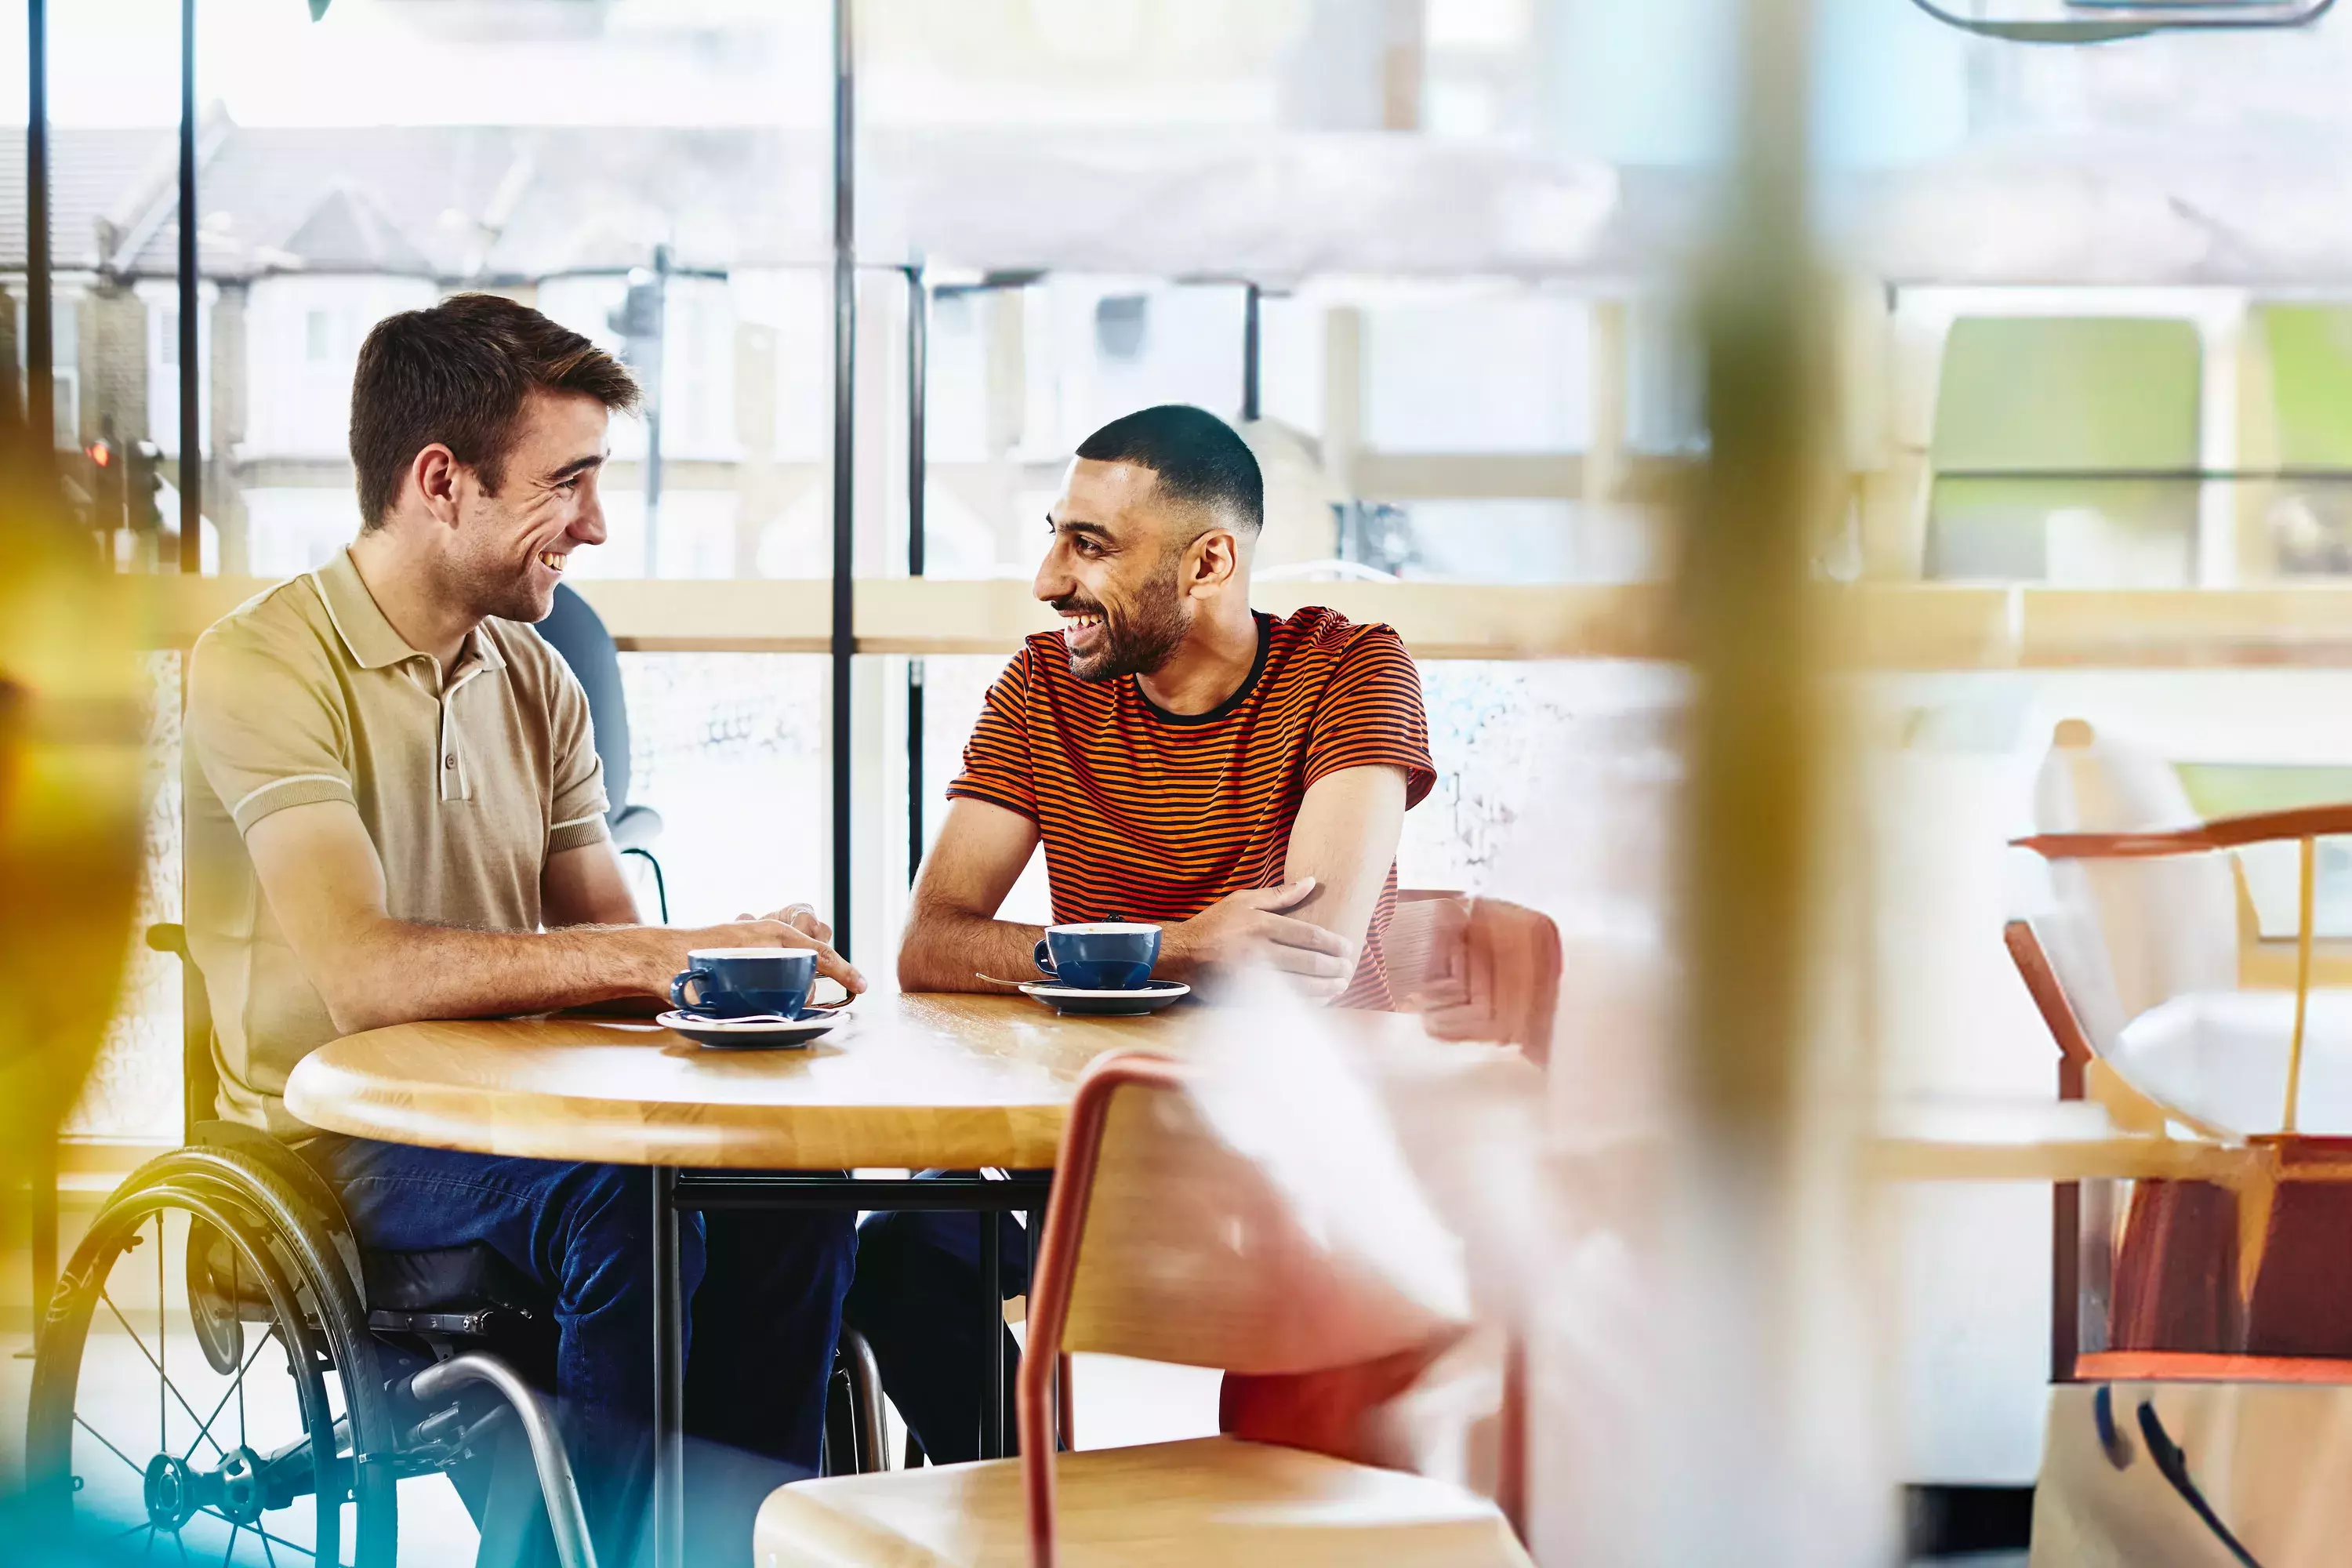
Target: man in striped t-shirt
(1237, 779)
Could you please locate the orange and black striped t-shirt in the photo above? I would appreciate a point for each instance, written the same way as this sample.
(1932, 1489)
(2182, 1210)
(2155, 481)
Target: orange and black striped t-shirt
(1152, 815)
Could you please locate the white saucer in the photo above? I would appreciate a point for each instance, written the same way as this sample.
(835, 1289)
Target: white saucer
(1149, 997)
(767, 1031)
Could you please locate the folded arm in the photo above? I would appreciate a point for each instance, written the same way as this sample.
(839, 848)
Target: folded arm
(1311, 929)
(953, 936)
(1346, 839)
(326, 886)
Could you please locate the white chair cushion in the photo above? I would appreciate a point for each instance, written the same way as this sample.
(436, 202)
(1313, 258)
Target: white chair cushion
(2221, 1056)
(2133, 933)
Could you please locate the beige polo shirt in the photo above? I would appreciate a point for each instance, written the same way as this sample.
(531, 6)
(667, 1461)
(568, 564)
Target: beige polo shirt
(467, 780)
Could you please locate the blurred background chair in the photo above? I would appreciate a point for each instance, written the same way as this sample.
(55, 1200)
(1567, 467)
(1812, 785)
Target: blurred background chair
(1164, 1243)
(1476, 968)
(2140, 971)
(578, 633)
(1488, 970)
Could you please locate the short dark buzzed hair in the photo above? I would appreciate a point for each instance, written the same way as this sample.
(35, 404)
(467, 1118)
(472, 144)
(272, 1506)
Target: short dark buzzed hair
(1200, 459)
(457, 372)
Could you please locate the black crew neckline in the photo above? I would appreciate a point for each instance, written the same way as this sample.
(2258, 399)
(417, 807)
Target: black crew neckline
(1242, 693)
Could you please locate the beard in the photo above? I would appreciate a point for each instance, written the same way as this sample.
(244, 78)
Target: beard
(489, 585)
(1139, 640)
(511, 597)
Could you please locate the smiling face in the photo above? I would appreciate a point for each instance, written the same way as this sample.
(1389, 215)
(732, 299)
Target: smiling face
(509, 548)
(1115, 570)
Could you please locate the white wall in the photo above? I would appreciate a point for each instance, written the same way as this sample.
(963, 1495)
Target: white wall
(302, 336)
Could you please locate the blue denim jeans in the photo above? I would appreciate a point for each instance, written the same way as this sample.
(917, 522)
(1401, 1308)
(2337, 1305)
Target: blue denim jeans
(916, 1301)
(765, 1292)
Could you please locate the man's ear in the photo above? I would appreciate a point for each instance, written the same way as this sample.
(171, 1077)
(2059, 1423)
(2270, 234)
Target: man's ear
(435, 472)
(1214, 559)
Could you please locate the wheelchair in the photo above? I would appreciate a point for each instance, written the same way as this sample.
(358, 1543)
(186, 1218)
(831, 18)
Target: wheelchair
(295, 1378)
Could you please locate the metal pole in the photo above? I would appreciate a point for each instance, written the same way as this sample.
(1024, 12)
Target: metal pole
(41, 427)
(991, 1354)
(192, 460)
(557, 1487)
(670, 1377)
(1249, 353)
(918, 392)
(844, 453)
(40, 353)
(1034, 1236)
(919, 363)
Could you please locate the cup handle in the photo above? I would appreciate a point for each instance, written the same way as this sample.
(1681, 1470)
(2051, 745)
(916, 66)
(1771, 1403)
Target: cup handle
(1045, 960)
(679, 985)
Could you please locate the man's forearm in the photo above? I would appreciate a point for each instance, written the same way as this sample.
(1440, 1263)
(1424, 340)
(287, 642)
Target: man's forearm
(949, 950)
(398, 971)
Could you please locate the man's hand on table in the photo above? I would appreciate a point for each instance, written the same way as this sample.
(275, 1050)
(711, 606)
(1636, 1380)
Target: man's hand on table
(795, 926)
(801, 917)
(1248, 930)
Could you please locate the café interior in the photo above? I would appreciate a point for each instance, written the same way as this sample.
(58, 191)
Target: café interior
(1865, 487)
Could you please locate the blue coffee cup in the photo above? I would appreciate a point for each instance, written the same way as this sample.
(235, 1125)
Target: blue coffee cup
(1104, 955)
(739, 982)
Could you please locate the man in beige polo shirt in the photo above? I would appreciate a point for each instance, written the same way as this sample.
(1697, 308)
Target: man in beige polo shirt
(395, 812)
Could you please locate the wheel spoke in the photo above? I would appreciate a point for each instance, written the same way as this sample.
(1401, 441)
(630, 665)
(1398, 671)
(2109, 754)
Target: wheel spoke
(235, 1284)
(233, 1527)
(136, 1468)
(168, 1383)
(271, 1557)
(265, 1537)
(127, 1328)
(204, 1433)
(181, 1541)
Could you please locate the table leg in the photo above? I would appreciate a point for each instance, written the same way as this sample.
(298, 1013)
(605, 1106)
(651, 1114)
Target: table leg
(992, 1385)
(669, 1378)
(1036, 1233)
(985, 1200)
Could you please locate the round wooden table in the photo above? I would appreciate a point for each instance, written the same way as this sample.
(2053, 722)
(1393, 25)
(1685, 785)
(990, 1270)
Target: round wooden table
(908, 1081)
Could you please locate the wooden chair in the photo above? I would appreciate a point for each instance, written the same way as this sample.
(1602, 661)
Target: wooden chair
(1163, 1243)
(2170, 1049)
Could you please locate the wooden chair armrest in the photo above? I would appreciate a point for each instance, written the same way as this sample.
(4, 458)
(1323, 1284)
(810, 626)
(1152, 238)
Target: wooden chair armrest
(2221, 833)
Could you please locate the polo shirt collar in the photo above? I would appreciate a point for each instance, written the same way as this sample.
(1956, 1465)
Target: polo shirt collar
(482, 646)
(370, 638)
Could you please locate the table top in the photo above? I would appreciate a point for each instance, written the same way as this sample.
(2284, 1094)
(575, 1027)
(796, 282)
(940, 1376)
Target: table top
(915, 1081)
(2036, 1141)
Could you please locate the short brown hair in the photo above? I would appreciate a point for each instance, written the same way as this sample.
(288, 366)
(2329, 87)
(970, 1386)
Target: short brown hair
(458, 374)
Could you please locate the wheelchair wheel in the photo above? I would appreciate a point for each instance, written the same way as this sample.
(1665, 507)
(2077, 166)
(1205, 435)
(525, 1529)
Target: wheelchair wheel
(204, 1385)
